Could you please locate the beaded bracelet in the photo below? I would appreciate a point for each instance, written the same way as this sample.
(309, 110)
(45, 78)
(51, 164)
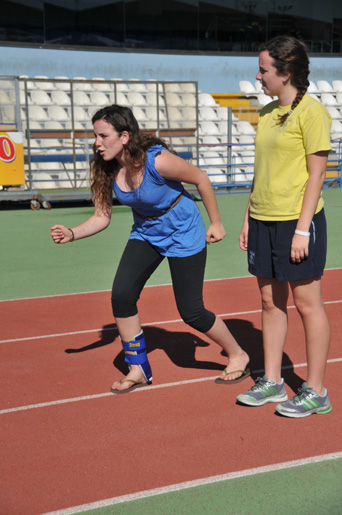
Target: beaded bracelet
(302, 233)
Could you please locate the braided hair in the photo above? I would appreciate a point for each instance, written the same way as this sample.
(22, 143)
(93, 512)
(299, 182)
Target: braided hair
(290, 56)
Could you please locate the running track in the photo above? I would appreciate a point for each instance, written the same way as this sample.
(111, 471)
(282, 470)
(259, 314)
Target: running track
(66, 441)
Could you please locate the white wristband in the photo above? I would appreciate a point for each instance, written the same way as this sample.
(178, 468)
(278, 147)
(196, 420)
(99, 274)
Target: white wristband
(302, 233)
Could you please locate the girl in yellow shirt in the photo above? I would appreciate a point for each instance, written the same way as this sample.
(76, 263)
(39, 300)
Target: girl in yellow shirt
(284, 229)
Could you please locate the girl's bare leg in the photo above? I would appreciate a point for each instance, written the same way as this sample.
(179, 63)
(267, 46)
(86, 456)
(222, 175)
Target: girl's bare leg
(238, 358)
(308, 299)
(274, 295)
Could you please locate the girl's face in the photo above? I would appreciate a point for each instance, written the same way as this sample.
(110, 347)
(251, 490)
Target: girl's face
(108, 143)
(271, 83)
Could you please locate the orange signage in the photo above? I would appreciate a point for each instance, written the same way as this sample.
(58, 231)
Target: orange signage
(12, 171)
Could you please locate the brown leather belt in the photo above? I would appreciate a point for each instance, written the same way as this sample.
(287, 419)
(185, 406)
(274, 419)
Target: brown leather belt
(162, 214)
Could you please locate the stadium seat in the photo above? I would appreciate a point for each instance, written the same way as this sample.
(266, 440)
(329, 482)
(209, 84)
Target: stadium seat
(328, 99)
(264, 99)
(136, 98)
(244, 127)
(323, 86)
(334, 112)
(81, 84)
(207, 128)
(247, 88)
(337, 85)
(98, 98)
(102, 85)
(205, 99)
(121, 99)
(57, 113)
(80, 98)
(312, 88)
(40, 97)
(60, 98)
(207, 113)
(64, 83)
(257, 85)
(36, 112)
(172, 99)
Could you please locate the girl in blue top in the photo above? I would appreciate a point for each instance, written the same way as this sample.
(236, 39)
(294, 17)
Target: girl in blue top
(147, 177)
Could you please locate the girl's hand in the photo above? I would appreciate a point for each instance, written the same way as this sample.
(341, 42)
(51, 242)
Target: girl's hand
(61, 234)
(215, 233)
(243, 236)
(299, 248)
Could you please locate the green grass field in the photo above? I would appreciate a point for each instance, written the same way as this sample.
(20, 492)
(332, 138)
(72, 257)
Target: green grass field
(33, 266)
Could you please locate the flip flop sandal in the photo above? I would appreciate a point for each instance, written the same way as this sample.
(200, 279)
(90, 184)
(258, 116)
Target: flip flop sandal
(245, 373)
(134, 386)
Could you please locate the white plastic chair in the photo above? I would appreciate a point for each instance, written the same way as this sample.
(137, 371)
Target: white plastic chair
(81, 84)
(312, 88)
(328, 99)
(135, 86)
(102, 86)
(58, 113)
(60, 98)
(80, 114)
(257, 85)
(139, 114)
(121, 99)
(337, 85)
(173, 99)
(53, 125)
(334, 112)
(324, 86)
(64, 85)
(99, 98)
(205, 99)
(248, 141)
(313, 95)
(37, 113)
(81, 98)
(189, 100)
(45, 85)
(264, 99)
(40, 97)
(209, 128)
(247, 88)
(339, 99)
(336, 128)
(189, 114)
(207, 113)
(244, 127)
(136, 98)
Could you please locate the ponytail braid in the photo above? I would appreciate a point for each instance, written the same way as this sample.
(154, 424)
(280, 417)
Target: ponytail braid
(282, 119)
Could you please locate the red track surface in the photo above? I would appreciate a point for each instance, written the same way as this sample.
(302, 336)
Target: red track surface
(84, 451)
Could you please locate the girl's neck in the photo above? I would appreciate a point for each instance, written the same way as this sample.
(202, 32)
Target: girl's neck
(287, 96)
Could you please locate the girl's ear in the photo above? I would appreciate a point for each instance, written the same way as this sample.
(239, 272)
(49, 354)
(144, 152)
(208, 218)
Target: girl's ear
(125, 137)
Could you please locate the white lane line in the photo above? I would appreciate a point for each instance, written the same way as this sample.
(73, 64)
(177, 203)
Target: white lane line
(147, 324)
(151, 387)
(196, 483)
(108, 291)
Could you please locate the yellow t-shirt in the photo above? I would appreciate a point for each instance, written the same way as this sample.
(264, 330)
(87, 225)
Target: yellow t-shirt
(281, 172)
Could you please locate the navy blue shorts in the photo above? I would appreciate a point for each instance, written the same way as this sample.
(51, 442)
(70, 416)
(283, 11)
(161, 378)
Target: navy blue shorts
(269, 249)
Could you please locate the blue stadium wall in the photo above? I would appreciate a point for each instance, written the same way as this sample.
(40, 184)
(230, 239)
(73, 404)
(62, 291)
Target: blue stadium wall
(215, 74)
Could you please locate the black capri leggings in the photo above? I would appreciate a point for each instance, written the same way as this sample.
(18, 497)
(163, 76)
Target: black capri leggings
(139, 260)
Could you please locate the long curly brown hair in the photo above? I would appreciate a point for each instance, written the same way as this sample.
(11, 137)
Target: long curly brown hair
(290, 56)
(103, 173)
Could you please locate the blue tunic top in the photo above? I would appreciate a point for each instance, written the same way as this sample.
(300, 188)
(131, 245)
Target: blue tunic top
(178, 233)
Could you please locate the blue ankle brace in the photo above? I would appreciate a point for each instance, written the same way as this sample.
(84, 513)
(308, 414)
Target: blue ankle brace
(138, 346)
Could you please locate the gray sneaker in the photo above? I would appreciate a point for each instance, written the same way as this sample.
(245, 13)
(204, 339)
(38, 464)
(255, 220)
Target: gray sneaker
(262, 392)
(305, 403)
